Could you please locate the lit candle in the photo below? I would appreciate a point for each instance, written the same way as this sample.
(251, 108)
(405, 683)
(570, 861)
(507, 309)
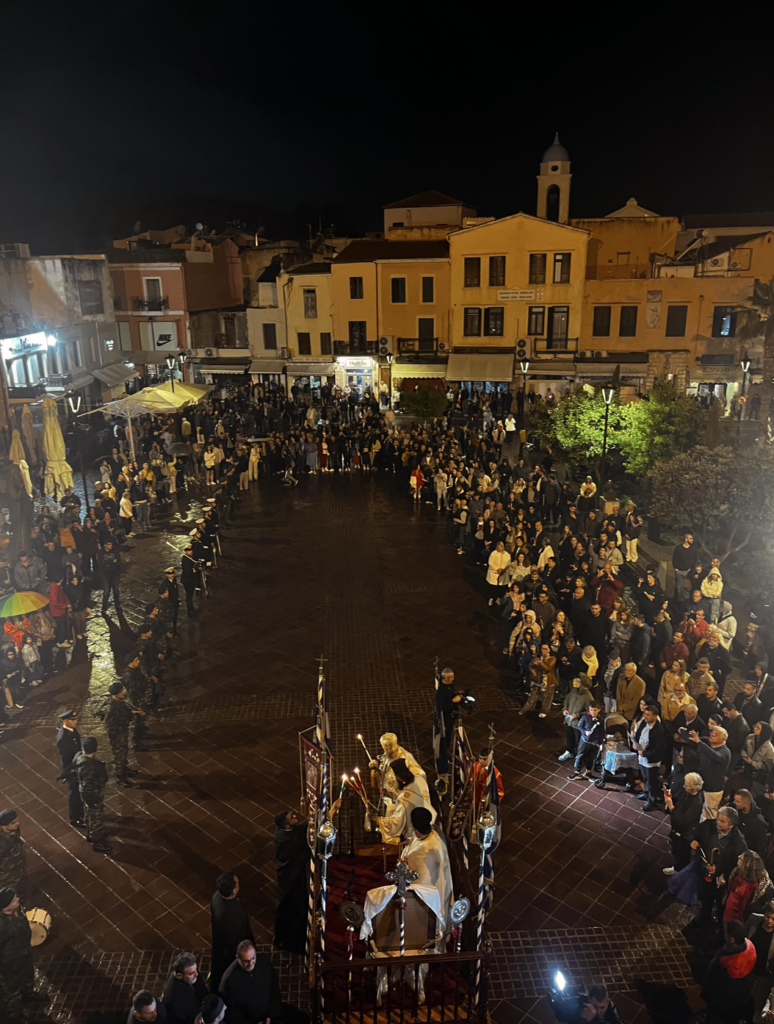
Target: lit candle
(343, 786)
(360, 737)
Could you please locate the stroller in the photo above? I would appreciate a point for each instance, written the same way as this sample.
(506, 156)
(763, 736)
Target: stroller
(619, 763)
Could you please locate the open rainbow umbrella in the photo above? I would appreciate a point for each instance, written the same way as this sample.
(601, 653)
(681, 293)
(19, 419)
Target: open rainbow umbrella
(22, 604)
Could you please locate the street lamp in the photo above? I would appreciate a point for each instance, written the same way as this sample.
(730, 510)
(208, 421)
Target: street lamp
(389, 358)
(524, 364)
(745, 364)
(74, 401)
(172, 363)
(607, 394)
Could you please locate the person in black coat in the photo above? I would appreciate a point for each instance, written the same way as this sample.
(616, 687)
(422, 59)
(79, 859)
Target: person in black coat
(651, 746)
(144, 1005)
(752, 824)
(230, 925)
(684, 816)
(250, 988)
(749, 706)
(68, 744)
(291, 857)
(184, 990)
(721, 844)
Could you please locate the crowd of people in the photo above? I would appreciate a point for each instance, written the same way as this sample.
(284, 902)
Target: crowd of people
(587, 633)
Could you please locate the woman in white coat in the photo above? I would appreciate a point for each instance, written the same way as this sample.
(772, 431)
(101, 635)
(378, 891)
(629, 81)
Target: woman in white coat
(499, 560)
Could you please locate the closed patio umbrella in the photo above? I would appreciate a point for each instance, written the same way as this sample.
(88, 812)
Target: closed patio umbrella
(59, 474)
(30, 437)
(16, 454)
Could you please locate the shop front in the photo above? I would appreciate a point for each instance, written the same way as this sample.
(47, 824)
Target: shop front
(357, 373)
(485, 373)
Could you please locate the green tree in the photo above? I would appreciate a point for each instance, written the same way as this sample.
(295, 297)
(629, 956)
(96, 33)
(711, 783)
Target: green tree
(425, 401)
(660, 426)
(575, 427)
(721, 493)
(757, 325)
(654, 429)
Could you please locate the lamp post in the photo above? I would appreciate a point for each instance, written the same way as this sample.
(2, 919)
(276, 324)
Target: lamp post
(745, 364)
(172, 363)
(524, 369)
(607, 394)
(389, 358)
(74, 401)
(182, 359)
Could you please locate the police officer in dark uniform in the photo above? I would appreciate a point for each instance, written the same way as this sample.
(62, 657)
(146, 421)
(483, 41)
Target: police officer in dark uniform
(172, 598)
(191, 578)
(68, 743)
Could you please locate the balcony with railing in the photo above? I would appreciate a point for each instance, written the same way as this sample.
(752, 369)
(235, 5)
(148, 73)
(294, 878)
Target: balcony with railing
(355, 348)
(551, 345)
(418, 346)
(159, 305)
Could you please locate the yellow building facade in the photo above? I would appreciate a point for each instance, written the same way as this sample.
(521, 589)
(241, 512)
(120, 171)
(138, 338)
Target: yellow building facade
(514, 279)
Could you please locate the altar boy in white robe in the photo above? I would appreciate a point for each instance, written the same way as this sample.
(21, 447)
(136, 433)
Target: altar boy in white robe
(397, 819)
(427, 854)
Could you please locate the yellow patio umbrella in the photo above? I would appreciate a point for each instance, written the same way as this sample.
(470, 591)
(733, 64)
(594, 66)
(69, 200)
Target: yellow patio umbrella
(28, 430)
(156, 400)
(25, 472)
(16, 453)
(193, 392)
(59, 474)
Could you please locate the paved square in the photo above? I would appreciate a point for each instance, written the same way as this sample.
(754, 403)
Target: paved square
(346, 567)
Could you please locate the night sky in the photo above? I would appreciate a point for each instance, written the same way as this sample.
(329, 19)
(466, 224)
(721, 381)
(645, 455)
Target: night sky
(281, 114)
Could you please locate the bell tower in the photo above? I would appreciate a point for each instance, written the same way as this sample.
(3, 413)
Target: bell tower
(553, 191)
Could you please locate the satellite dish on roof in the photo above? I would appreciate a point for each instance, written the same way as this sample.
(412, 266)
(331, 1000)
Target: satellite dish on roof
(137, 227)
(199, 226)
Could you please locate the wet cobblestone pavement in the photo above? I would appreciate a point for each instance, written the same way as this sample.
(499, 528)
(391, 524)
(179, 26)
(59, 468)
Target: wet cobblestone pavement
(347, 568)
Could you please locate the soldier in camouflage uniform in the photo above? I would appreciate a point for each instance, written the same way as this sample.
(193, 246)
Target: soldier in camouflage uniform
(140, 690)
(92, 778)
(13, 856)
(17, 969)
(118, 714)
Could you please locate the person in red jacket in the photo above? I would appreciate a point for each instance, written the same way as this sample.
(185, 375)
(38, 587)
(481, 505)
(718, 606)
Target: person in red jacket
(60, 606)
(746, 879)
(729, 979)
(480, 775)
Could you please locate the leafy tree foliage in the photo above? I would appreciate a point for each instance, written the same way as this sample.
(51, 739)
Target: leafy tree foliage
(425, 402)
(720, 493)
(654, 429)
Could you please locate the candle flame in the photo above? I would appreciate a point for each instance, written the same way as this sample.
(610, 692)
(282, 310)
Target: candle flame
(344, 778)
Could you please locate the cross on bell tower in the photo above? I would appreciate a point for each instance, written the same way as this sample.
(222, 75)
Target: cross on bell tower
(553, 196)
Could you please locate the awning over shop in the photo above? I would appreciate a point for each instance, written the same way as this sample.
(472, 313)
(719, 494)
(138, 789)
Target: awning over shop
(299, 369)
(400, 371)
(480, 367)
(553, 368)
(268, 365)
(115, 374)
(222, 366)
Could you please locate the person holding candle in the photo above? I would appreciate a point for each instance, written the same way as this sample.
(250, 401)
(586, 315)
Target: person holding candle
(393, 751)
(397, 819)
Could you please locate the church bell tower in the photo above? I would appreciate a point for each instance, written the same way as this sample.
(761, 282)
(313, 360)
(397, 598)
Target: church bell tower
(553, 196)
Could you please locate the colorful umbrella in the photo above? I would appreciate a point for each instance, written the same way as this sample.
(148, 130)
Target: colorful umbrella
(59, 474)
(23, 603)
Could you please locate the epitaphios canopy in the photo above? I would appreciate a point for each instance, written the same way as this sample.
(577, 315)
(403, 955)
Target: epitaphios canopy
(58, 471)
